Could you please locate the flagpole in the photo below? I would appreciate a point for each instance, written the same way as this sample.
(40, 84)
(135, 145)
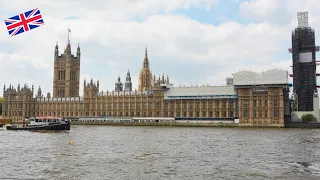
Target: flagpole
(68, 35)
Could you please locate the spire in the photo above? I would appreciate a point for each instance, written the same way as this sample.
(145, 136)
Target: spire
(146, 61)
(39, 92)
(78, 52)
(167, 79)
(56, 49)
(69, 31)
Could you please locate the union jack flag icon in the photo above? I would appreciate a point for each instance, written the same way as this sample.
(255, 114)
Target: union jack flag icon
(24, 22)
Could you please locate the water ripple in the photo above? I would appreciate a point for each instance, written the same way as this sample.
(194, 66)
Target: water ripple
(107, 152)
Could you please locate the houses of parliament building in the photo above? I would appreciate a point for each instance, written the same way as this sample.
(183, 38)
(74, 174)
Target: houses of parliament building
(253, 98)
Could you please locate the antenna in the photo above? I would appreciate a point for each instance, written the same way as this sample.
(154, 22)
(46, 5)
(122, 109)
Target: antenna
(303, 19)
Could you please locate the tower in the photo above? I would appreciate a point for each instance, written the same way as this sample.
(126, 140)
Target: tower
(90, 89)
(145, 78)
(128, 83)
(39, 94)
(304, 63)
(118, 86)
(66, 75)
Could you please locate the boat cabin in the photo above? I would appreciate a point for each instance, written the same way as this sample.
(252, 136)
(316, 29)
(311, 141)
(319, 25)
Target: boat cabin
(44, 120)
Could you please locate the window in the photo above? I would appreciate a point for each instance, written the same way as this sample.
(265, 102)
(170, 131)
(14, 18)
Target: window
(245, 113)
(275, 114)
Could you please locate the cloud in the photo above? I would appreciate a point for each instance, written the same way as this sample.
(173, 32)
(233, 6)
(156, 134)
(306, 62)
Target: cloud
(113, 36)
(279, 12)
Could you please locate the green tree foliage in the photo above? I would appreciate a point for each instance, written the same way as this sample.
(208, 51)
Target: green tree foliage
(307, 118)
(1, 105)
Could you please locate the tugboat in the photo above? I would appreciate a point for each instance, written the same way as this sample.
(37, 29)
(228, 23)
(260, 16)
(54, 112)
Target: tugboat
(42, 123)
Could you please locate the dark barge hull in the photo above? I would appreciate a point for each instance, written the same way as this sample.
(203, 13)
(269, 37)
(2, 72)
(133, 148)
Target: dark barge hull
(50, 127)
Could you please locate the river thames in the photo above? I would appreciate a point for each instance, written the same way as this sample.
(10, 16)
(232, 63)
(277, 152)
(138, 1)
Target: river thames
(111, 152)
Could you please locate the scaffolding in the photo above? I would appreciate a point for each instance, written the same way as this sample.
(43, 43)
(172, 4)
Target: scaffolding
(304, 64)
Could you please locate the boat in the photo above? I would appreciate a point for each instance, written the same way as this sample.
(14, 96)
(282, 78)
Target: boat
(42, 123)
(4, 127)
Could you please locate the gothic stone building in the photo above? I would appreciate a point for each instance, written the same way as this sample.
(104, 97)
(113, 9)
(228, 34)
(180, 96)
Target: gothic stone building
(256, 98)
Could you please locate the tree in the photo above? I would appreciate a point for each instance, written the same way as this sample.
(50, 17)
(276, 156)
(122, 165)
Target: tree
(1, 105)
(307, 118)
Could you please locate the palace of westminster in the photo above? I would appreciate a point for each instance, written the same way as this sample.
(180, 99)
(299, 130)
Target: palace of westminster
(254, 98)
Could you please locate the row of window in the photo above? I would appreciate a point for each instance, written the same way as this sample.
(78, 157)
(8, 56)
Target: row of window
(145, 114)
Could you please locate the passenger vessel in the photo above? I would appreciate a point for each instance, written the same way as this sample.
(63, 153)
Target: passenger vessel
(42, 123)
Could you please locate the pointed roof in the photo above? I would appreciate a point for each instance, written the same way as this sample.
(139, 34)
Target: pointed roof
(146, 61)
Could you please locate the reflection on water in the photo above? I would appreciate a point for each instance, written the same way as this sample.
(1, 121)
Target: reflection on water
(107, 152)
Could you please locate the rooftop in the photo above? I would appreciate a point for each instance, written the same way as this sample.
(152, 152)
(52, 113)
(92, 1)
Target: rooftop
(205, 92)
(269, 77)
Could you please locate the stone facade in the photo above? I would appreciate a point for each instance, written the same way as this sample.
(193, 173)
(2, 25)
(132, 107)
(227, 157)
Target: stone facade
(263, 105)
(66, 75)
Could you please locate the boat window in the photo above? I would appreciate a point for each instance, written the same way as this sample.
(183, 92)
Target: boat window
(37, 120)
(40, 120)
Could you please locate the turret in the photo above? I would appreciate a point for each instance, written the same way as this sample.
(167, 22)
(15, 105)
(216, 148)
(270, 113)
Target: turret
(19, 87)
(167, 79)
(56, 50)
(78, 52)
(118, 85)
(84, 82)
(128, 83)
(39, 92)
(91, 89)
(162, 79)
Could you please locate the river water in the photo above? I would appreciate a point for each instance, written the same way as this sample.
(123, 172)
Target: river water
(110, 152)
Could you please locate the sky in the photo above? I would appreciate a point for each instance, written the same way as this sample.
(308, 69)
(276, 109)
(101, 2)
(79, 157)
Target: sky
(192, 41)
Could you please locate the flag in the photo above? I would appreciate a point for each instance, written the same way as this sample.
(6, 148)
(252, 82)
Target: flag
(24, 22)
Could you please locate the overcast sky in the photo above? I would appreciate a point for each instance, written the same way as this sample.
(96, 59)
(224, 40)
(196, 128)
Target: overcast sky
(193, 41)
